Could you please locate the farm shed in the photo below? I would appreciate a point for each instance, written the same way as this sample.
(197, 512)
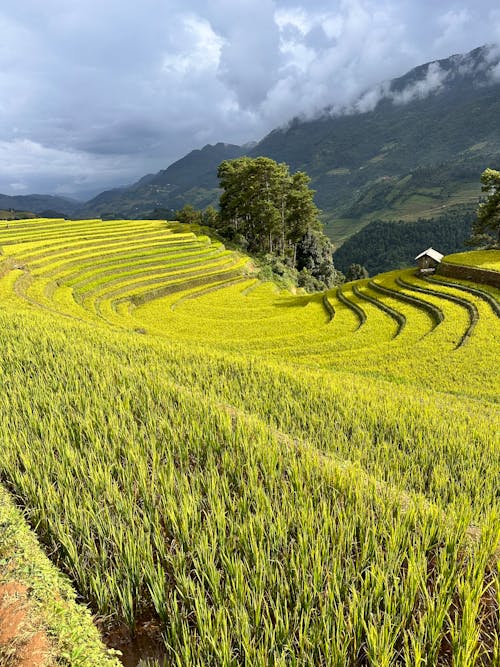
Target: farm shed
(429, 260)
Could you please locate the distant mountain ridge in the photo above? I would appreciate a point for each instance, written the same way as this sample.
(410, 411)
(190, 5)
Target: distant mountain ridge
(39, 203)
(186, 180)
(407, 149)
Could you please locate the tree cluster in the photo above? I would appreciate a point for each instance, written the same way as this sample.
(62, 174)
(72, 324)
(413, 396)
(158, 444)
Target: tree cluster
(261, 201)
(486, 228)
(268, 211)
(190, 215)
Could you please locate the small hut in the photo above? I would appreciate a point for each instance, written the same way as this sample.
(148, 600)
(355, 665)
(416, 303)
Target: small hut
(428, 261)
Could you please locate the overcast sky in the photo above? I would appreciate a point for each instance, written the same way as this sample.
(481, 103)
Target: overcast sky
(97, 93)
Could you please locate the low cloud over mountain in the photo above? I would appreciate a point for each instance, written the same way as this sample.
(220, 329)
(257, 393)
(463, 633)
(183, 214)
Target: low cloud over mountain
(95, 94)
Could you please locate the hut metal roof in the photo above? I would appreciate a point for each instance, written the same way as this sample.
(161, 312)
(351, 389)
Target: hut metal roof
(433, 254)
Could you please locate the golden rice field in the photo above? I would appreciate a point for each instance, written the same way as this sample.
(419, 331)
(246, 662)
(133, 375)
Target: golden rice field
(485, 259)
(266, 478)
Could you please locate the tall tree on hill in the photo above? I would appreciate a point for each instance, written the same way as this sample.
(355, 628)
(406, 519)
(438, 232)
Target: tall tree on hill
(486, 228)
(314, 255)
(261, 201)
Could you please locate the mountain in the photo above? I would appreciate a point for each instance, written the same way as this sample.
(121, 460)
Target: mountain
(418, 148)
(40, 203)
(408, 149)
(192, 179)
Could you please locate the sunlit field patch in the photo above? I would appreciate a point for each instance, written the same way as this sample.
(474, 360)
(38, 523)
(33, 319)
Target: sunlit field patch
(265, 479)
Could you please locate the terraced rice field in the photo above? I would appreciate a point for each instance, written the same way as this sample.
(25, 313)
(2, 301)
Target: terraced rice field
(485, 259)
(259, 478)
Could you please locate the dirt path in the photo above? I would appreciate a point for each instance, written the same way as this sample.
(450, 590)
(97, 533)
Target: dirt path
(21, 645)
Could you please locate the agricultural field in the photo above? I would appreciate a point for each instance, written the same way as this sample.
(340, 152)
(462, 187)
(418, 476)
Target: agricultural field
(484, 259)
(247, 476)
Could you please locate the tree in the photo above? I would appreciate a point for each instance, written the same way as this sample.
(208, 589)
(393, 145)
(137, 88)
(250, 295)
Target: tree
(272, 209)
(210, 217)
(356, 272)
(486, 228)
(189, 215)
(315, 256)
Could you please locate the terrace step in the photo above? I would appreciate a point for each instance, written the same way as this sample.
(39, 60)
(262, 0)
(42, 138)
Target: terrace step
(481, 294)
(398, 317)
(357, 310)
(434, 313)
(469, 307)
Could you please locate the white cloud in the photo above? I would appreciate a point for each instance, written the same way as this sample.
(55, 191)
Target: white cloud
(201, 48)
(100, 93)
(434, 79)
(454, 24)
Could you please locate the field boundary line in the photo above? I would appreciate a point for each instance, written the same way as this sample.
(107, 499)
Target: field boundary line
(359, 312)
(398, 317)
(489, 298)
(435, 313)
(469, 307)
(406, 500)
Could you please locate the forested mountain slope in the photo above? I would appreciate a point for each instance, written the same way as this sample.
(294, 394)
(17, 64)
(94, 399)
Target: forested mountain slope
(407, 150)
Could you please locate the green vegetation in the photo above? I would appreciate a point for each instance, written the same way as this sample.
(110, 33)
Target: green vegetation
(273, 479)
(262, 202)
(382, 246)
(75, 640)
(266, 211)
(486, 228)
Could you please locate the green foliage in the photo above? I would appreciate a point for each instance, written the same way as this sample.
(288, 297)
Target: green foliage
(188, 215)
(210, 217)
(309, 282)
(486, 228)
(314, 254)
(263, 202)
(356, 272)
(384, 245)
(272, 213)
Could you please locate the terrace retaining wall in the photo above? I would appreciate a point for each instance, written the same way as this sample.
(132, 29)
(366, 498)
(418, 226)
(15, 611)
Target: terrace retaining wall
(461, 272)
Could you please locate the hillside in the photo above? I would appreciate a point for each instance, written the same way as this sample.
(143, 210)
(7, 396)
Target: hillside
(40, 203)
(381, 246)
(192, 179)
(229, 472)
(408, 149)
(402, 159)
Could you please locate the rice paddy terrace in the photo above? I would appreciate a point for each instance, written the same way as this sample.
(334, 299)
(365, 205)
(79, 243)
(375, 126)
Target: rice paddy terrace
(246, 476)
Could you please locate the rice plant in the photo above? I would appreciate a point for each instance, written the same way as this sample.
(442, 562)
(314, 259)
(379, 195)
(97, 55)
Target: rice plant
(268, 484)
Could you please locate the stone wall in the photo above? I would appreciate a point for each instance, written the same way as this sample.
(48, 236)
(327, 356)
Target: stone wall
(476, 275)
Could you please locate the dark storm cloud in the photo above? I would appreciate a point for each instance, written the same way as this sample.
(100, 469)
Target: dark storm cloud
(98, 93)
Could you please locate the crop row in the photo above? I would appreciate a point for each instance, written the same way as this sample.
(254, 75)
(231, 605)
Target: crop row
(77, 268)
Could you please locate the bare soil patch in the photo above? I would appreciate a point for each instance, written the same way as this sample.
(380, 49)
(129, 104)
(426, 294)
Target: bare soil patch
(20, 644)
